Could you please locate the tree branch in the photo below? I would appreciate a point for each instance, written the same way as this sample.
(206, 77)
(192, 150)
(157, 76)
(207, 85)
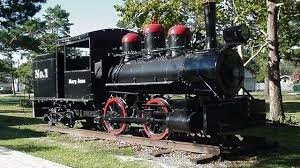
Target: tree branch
(258, 51)
(263, 32)
(13, 39)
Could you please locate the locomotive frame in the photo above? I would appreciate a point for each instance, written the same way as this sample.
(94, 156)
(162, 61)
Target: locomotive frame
(119, 84)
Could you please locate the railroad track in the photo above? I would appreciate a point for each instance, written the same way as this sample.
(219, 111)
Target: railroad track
(209, 152)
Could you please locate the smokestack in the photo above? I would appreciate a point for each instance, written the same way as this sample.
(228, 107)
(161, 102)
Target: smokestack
(210, 23)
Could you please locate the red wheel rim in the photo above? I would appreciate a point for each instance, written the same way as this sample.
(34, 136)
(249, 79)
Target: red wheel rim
(115, 107)
(163, 133)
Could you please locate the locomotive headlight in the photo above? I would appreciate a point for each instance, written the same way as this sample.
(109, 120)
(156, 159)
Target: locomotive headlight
(236, 34)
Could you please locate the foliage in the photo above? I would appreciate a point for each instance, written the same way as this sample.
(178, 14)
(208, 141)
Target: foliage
(17, 28)
(4, 68)
(22, 37)
(137, 13)
(17, 25)
(19, 31)
(24, 73)
(57, 21)
(253, 13)
(296, 74)
(57, 26)
(287, 67)
(36, 35)
(46, 32)
(16, 12)
(289, 28)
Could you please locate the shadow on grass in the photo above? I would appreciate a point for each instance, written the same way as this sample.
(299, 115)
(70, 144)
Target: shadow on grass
(8, 105)
(9, 130)
(13, 100)
(30, 148)
(282, 159)
(16, 111)
(15, 133)
(11, 120)
(288, 136)
(291, 107)
(285, 154)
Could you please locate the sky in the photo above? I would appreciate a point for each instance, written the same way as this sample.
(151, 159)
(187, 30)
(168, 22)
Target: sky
(87, 15)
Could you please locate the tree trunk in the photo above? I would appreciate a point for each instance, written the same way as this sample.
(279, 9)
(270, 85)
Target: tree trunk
(18, 79)
(267, 85)
(12, 77)
(276, 108)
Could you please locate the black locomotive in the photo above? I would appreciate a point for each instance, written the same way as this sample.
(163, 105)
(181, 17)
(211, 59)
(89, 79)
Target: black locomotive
(126, 81)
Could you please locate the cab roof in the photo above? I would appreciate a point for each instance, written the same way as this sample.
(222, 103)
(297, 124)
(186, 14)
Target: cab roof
(101, 38)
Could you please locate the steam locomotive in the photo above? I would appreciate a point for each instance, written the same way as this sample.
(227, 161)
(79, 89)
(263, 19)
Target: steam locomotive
(122, 80)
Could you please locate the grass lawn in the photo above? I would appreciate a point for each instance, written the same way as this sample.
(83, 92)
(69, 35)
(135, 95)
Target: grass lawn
(288, 137)
(9, 103)
(19, 131)
(288, 152)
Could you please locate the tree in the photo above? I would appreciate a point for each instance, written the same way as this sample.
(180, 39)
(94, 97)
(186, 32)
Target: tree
(16, 12)
(13, 15)
(57, 26)
(54, 26)
(296, 75)
(17, 25)
(251, 13)
(287, 67)
(137, 13)
(20, 38)
(289, 28)
(24, 73)
(4, 68)
(276, 107)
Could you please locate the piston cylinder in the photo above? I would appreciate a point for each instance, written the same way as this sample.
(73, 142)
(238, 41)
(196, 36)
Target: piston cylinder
(181, 122)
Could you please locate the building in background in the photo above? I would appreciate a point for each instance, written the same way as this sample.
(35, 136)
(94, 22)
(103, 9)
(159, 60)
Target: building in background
(6, 86)
(250, 81)
(286, 83)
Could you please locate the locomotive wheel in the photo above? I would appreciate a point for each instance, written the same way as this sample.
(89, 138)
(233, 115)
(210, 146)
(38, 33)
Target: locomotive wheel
(156, 131)
(115, 107)
(68, 120)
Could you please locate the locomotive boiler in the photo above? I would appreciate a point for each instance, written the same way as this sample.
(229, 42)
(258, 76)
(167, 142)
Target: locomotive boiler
(130, 80)
(189, 73)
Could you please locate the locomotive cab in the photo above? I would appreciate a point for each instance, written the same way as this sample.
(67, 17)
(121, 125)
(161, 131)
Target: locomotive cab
(86, 55)
(77, 71)
(68, 76)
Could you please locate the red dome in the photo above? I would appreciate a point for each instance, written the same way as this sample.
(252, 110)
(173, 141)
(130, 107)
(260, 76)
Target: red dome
(178, 30)
(131, 37)
(153, 28)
